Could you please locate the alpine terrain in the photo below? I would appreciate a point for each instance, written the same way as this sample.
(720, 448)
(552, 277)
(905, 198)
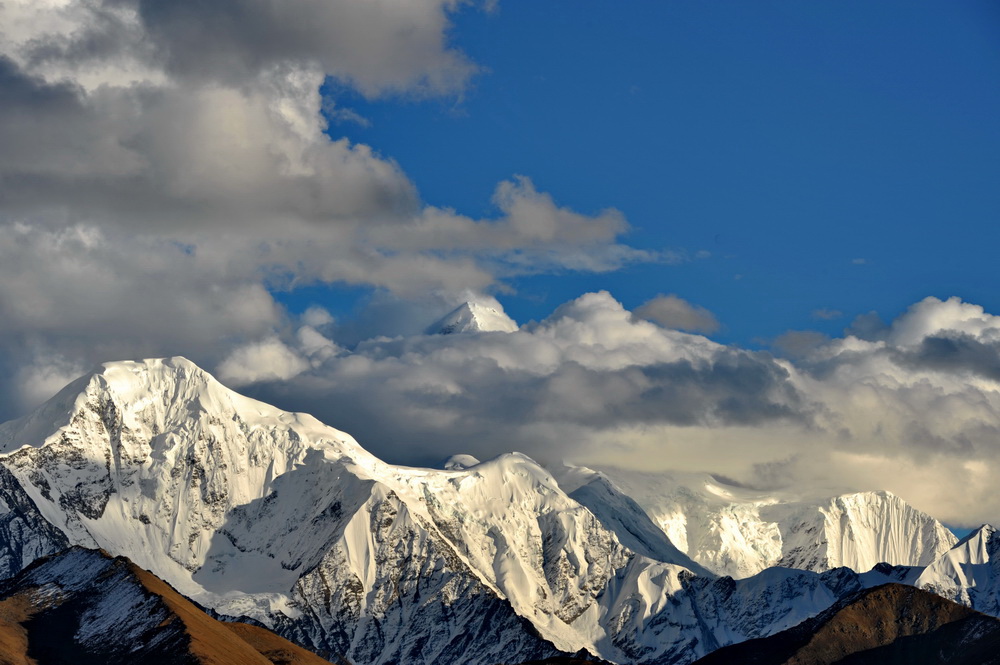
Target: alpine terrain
(888, 625)
(83, 606)
(279, 519)
(473, 317)
(739, 531)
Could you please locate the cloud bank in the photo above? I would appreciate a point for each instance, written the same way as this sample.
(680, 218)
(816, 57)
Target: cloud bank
(915, 412)
(167, 168)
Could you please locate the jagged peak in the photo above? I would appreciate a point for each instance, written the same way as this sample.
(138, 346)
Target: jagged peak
(978, 546)
(472, 317)
(177, 379)
(171, 393)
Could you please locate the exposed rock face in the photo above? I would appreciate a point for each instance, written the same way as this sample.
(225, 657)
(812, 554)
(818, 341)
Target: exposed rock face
(888, 624)
(24, 534)
(273, 516)
(473, 317)
(83, 606)
(737, 531)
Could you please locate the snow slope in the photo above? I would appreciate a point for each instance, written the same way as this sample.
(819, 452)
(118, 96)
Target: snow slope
(473, 317)
(737, 531)
(274, 516)
(256, 512)
(969, 573)
(271, 515)
(84, 606)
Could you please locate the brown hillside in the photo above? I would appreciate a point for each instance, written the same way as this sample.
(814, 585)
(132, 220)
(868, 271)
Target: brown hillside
(125, 615)
(214, 642)
(890, 624)
(275, 648)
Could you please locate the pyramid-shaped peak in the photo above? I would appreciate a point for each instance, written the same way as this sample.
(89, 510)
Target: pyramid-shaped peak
(176, 379)
(170, 392)
(472, 317)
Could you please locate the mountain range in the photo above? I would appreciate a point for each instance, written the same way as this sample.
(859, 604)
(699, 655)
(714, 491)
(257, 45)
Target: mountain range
(887, 625)
(279, 520)
(86, 607)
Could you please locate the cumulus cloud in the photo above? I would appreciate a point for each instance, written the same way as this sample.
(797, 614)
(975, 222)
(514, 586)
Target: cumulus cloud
(675, 312)
(556, 388)
(594, 383)
(266, 360)
(166, 167)
(799, 343)
(378, 47)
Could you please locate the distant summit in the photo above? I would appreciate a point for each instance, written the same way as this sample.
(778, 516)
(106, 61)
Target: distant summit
(460, 462)
(472, 317)
(275, 518)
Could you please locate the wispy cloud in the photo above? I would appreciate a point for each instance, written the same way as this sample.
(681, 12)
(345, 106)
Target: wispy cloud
(673, 311)
(826, 314)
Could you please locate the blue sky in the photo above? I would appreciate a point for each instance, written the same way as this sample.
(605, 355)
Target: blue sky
(840, 157)
(169, 186)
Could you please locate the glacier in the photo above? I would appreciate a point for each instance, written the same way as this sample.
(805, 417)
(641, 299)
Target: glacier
(739, 531)
(273, 516)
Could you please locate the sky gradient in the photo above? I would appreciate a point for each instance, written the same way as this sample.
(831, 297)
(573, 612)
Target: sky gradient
(755, 239)
(837, 158)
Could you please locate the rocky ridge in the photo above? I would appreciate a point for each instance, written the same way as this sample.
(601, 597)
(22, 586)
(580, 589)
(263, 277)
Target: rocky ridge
(738, 531)
(889, 624)
(84, 606)
(273, 516)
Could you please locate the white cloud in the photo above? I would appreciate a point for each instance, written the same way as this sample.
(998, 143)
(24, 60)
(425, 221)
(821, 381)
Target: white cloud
(827, 314)
(267, 360)
(931, 315)
(44, 377)
(166, 166)
(559, 387)
(594, 383)
(317, 317)
(531, 234)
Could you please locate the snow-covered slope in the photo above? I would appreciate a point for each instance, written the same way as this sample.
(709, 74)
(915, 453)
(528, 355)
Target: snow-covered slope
(969, 573)
(256, 512)
(737, 531)
(83, 606)
(274, 516)
(473, 317)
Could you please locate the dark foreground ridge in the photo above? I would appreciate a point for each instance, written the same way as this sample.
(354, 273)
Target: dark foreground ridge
(84, 607)
(887, 625)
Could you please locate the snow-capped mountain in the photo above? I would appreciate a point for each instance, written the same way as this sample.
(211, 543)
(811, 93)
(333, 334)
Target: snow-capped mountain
(260, 513)
(473, 317)
(739, 532)
(969, 573)
(256, 512)
(891, 623)
(83, 606)
(274, 516)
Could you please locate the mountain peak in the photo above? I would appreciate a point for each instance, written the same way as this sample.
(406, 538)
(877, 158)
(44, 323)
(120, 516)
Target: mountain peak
(471, 317)
(460, 462)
